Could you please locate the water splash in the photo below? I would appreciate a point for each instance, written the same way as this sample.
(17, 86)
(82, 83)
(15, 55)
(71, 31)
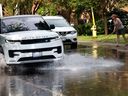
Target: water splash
(3, 65)
(77, 62)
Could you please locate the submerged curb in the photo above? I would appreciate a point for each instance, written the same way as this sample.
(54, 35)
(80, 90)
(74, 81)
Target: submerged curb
(121, 47)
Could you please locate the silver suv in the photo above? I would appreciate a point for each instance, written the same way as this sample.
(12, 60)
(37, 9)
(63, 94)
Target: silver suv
(67, 32)
(28, 39)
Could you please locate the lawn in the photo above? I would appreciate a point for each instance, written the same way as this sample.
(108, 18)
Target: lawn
(102, 38)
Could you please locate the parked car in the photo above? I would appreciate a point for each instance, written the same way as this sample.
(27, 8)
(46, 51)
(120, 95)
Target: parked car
(64, 29)
(28, 39)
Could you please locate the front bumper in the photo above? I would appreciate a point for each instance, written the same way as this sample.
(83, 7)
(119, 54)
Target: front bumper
(69, 39)
(31, 53)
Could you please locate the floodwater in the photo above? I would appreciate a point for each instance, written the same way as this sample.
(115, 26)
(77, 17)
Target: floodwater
(86, 71)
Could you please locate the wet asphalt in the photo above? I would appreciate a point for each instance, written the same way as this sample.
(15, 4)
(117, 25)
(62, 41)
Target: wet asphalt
(86, 71)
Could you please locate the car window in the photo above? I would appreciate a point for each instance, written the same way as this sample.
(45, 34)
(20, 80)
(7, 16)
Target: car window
(3, 28)
(58, 22)
(25, 24)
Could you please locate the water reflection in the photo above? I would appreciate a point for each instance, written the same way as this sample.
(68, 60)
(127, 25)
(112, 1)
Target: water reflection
(87, 71)
(3, 86)
(46, 83)
(94, 50)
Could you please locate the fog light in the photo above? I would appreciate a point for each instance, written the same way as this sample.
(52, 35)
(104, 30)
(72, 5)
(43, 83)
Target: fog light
(12, 60)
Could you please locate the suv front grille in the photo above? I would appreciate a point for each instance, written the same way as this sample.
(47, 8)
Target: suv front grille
(34, 41)
(11, 52)
(36, 58)
(62, 33)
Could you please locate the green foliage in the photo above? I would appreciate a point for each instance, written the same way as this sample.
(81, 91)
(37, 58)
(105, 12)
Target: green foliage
(73, 3)
(103, 38)
(100, 38)
(101, 7)
(88, 29)
(100, 27)
(79, 29)
(84, 29)
(41, 11)
(47, 9)
(96, 4)
(23, 5)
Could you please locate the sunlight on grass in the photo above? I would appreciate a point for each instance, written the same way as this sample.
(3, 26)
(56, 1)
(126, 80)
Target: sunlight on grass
(102, 38)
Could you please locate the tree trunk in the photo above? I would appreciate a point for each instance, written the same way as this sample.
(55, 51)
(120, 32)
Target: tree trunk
(105, 25)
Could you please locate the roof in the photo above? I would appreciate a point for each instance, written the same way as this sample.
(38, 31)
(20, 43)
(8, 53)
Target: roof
(15, 16)
(53, 17)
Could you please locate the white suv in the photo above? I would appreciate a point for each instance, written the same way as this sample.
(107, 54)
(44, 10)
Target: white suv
(28, 39)
(64, 29)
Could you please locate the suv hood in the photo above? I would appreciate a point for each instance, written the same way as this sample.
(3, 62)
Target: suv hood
(24, 35)
(63, 29)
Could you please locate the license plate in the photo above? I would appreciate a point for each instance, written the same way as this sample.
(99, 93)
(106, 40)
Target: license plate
(36, 54)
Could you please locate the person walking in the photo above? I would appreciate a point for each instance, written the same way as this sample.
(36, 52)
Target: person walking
(118, 28)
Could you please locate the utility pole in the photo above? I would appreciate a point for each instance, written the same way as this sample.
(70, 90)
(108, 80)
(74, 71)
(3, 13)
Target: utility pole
(94, 33)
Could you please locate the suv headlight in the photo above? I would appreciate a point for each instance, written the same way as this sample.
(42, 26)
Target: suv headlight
(10, 41)
(55, 38)
(72, 32)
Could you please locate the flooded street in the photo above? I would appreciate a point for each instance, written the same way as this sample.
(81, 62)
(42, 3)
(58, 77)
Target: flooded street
(86, 71)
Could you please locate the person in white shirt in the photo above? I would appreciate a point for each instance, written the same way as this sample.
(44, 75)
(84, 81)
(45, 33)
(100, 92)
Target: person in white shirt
(118, 28)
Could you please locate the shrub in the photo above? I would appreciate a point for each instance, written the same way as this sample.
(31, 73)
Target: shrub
(84, 29)
(100, 27)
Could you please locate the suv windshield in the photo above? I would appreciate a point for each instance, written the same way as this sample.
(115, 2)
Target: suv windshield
(58, 22)
(26, 23)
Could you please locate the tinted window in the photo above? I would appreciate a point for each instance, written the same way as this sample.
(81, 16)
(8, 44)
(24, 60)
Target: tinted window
(25, 24)
(58, 22)
(3, 28)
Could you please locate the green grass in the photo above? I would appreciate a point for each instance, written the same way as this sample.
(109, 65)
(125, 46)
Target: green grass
(102, 38)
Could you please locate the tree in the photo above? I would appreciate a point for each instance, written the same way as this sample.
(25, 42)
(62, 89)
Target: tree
(65, 7)
(102, 7)
(23, 5)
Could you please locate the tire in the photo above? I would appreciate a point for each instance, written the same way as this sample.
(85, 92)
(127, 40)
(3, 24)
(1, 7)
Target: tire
(74, 45)
(1, 50)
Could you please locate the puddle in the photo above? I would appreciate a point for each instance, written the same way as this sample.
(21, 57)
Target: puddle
(87, 71)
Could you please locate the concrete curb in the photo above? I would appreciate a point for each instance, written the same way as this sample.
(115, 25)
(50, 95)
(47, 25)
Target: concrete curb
(121, 47)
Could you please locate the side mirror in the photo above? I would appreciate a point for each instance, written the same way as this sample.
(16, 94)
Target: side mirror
(52, 26)
(3, 30)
